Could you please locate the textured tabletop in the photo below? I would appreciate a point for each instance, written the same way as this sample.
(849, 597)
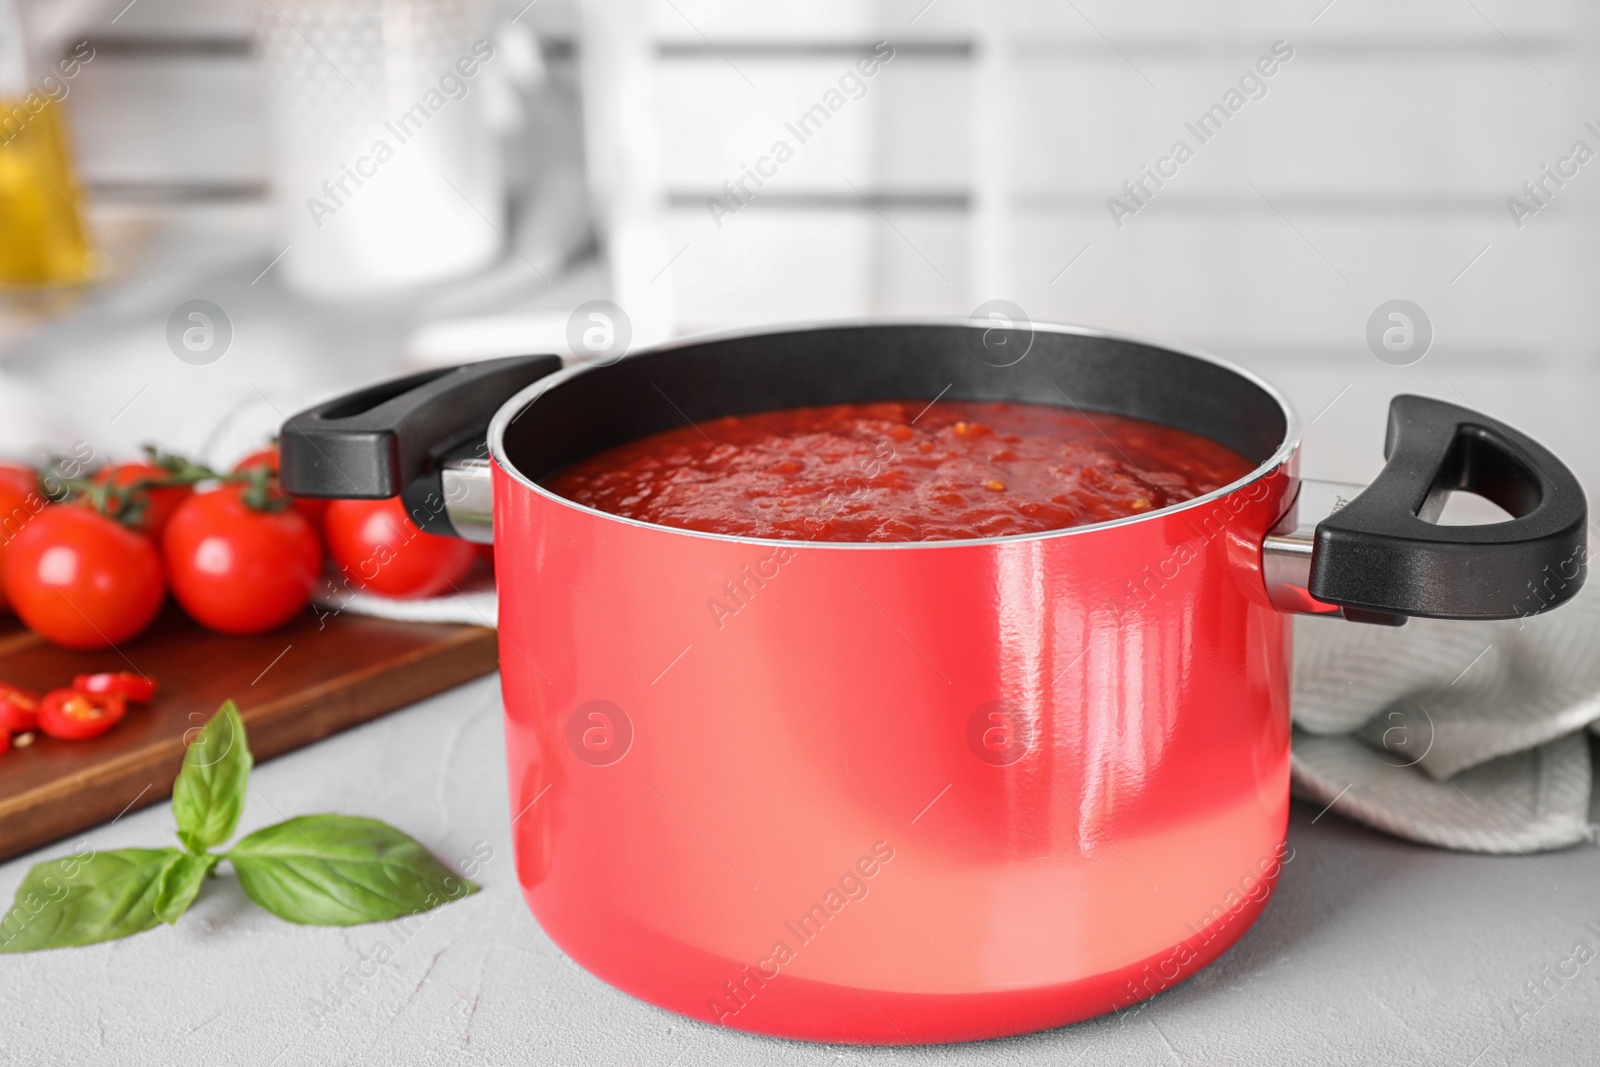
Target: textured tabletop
(1372, 951)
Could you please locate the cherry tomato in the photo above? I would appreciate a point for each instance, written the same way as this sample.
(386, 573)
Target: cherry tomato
(24, 480)
(18, 506)
(162, 502)
(82, 580)
(19, 709)
(134, 688)
(69, 715)
(5, 743)
(239, 570)
(380, 548)
(313, 508)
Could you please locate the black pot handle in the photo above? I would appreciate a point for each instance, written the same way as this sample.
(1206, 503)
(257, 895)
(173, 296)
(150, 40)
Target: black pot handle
(1384, 554)
(393, 438)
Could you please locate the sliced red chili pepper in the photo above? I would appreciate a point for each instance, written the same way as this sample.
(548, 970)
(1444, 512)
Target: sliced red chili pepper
(73, 716)
(19, 709)
(135, 688)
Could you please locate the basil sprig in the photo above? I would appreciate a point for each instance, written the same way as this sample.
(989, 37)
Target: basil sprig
(208, 797)
(321, 870)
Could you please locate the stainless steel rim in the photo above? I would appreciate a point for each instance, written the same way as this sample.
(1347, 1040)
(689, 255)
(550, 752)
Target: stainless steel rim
(519, 402)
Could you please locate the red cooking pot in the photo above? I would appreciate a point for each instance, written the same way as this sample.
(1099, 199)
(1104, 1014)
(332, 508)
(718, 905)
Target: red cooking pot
(926, 791)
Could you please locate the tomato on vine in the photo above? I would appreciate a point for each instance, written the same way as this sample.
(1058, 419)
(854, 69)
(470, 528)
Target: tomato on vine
(240, 559)
(154, 504)
(378, 546)
(24, 480)
(82, 580)
(19, 502)
(311, 507)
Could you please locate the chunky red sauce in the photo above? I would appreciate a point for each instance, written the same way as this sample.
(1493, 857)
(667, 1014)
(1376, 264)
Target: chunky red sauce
(901, 471)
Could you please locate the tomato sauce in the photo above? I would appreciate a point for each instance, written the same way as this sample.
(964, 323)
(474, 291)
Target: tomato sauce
(901, 471)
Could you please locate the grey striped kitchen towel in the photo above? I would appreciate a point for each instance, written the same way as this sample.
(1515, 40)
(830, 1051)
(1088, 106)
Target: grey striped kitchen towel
(1464, 735)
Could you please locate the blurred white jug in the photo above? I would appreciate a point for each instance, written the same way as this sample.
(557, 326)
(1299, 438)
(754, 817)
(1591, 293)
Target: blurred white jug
(384, 171)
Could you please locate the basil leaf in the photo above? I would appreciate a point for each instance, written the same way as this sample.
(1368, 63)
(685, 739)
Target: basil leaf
(209, 793)
(180, 883)
(78, 900)
(338, 870)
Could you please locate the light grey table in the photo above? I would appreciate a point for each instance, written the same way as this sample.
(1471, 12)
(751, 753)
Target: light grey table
(1372, 951)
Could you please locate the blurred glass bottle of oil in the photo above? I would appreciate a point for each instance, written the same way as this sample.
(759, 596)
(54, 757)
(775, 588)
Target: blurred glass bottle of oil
(42, 238)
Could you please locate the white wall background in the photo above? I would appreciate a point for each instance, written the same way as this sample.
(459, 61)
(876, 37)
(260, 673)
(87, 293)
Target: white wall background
(1377, 166)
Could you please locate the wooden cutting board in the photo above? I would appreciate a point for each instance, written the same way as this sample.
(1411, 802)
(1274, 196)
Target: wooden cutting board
(293, 686)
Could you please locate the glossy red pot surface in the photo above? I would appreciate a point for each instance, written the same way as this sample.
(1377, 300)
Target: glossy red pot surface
(916, 792)
(902, 793)
(895, 793)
